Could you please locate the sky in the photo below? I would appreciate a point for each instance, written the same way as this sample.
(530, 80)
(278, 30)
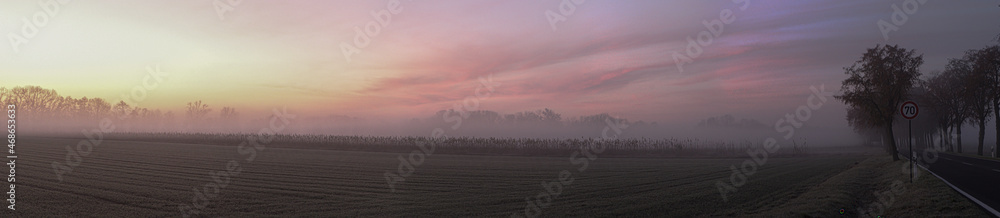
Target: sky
(606, 56)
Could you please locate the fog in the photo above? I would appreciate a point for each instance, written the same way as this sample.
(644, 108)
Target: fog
(42, 111)
(453, 124)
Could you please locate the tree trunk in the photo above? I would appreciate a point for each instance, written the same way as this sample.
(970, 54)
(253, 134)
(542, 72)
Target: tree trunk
(941, 139)
(948, 140)
(996, 119)
(958, 132)
(892, 142)
(951, 142)
(982, 133)
(928, 141)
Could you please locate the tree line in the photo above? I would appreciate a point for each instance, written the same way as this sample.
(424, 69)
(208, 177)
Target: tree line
(45, 109)
(966, 92)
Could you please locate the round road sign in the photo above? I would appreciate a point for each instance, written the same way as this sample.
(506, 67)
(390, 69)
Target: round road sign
(909, 110)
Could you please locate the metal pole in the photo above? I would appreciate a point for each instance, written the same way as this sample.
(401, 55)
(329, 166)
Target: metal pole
(909, 139)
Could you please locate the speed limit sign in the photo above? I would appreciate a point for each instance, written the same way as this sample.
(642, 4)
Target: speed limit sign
(909, 110)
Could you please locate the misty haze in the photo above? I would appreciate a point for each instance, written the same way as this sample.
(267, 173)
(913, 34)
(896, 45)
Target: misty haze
(555, 108)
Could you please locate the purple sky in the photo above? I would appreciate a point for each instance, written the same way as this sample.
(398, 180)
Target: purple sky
(608, 56)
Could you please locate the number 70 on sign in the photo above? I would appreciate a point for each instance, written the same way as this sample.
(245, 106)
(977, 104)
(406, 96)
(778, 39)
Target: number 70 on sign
(909, 110)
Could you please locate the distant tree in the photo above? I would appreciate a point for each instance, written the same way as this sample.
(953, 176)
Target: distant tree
(923, 129)
(879, 83)
(140, 113)
(121, 110)
(940, 97)
(88, 108)
(551, 116)
(66, 108)
(156, 114)
(85, 108)
(168, 118)
(527, 117)
(229, 116)
(228, 113)
(3, 96)
(34, 101)
(598, 120)
(484, 117)
(196, 112)
(958, 70)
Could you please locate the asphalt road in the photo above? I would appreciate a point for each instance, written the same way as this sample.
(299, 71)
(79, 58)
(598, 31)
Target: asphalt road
(978, 178)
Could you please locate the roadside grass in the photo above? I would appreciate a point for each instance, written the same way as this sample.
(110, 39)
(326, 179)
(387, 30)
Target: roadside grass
(868, 185)
(926, 195)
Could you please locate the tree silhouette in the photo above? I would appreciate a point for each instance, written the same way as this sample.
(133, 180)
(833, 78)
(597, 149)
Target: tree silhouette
(986, 78)
(990, 57)
(550, 116)
(35, 102)
(863, 124)
(940, 97)
(979, 92)
(121, 110)
(959, 69)
(878, 84)
(196, 112)
(3, 96)
(228, 113)
(597, 120)
(228, 116)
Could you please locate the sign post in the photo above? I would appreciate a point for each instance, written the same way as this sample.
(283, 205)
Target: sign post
(909, 111)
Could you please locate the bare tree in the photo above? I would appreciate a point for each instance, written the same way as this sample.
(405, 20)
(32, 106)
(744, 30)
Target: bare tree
(4, 99)
(35, 101)
(228, 113)
(196, 112)
(550, 116)
(957, 71)
(121, 110)
(878, 84)
(66, 108)
(940, 96)
(986, 64)
(979, 92)
(228, 116)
